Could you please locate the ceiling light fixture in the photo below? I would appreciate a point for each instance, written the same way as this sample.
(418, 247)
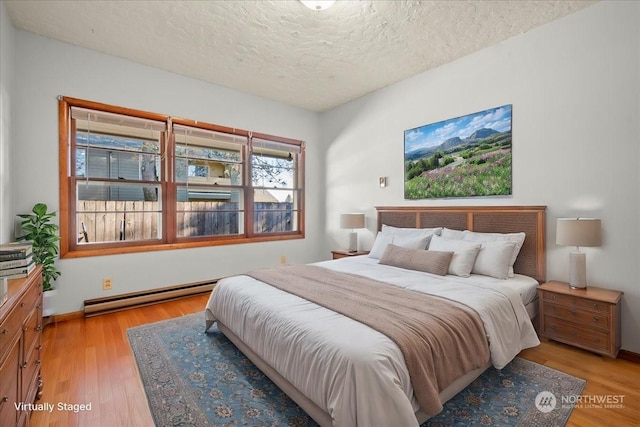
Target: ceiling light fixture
(318, 4)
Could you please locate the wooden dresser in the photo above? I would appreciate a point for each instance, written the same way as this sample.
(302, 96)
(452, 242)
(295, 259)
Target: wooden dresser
(20, 338)
(587, 318)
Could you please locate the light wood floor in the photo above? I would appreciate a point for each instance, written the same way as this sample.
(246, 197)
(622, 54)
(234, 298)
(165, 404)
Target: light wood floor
(89, 361)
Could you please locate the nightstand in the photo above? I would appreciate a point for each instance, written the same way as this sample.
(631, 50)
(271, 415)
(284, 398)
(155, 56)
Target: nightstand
(587, 318)
(343, 253)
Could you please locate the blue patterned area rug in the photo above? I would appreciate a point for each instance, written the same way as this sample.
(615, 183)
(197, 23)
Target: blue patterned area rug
(199, 379)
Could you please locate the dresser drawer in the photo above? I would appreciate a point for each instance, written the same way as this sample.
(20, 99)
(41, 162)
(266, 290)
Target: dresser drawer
(9, 329)
(575, 334)
(32, 328)
(573, 314)
(578, 302)
(25, 304)
(30, 368)
(31, 298)
(9, 387)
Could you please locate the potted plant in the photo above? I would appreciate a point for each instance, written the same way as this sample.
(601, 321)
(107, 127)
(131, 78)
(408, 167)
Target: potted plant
(43, 234)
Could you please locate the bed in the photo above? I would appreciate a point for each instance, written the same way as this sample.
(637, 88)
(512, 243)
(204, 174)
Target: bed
(345, 373)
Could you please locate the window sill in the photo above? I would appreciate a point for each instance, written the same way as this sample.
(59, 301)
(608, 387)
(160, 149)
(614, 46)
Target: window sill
(118, 248)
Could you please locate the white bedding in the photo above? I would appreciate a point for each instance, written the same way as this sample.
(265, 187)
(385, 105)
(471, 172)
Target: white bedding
(353, 372)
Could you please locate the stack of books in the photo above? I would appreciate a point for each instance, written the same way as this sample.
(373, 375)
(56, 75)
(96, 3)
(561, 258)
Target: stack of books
(16, 260)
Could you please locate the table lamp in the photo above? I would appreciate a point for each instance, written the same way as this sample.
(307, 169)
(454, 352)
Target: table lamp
(578, 232)
(352, 221)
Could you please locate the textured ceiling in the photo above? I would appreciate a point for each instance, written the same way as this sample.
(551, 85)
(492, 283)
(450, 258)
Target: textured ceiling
(280, 49)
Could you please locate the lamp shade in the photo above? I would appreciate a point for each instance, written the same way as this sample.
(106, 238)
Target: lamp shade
(578, 232)
(352, 220)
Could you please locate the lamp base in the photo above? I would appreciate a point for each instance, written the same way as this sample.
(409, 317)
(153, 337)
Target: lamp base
(353, 242)
(577, 270)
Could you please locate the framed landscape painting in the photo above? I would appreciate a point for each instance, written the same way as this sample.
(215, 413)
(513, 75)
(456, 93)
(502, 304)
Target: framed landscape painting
(467, 156)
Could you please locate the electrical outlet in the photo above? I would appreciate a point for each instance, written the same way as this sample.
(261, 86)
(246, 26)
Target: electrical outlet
(106, 284)
(283, 259)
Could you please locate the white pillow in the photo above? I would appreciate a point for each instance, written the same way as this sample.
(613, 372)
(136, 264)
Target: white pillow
(451, 234)
(493, 259)
(516, 238)
(464, 254)
(407, 232)
(409, 238)
(380, 244)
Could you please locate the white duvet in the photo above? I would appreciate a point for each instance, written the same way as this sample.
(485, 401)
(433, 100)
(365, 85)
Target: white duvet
(353, 372)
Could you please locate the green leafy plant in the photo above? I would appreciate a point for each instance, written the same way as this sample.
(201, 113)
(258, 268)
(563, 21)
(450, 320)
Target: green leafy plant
(43, 234)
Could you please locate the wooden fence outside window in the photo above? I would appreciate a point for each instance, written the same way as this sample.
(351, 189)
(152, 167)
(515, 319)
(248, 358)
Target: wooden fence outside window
(111, 221)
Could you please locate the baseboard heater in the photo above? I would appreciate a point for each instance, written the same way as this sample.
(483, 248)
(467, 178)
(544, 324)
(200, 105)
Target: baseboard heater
(96, 306)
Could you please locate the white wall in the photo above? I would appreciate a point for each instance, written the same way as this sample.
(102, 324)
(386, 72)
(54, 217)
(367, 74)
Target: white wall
(6, 79)
(46, 68)
(575, 89)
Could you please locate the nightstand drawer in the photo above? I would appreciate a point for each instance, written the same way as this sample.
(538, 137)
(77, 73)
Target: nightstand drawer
(585, 318)
(576, 301)
(575, 334)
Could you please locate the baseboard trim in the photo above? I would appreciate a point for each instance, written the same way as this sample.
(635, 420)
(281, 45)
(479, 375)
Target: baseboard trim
(629, 356)
(97, 306)
(55, 318)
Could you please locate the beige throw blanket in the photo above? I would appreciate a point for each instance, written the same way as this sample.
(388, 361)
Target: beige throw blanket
(440, 340)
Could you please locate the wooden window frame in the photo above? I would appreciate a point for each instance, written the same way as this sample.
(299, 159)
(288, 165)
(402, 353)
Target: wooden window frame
(69, 247)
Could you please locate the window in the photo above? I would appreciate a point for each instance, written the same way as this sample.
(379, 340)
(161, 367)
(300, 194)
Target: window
(276, 191)
(210, 191)
(139, 181)
(118, 195)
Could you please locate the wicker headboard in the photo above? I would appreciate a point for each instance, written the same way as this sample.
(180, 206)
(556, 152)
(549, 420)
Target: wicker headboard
(486, 219)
